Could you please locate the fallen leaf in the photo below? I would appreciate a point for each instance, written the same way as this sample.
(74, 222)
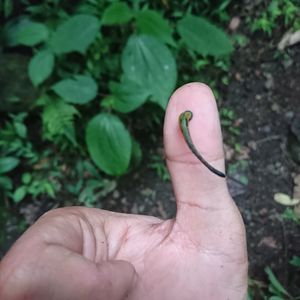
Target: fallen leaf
(229, 152)
(234, 23)
(296, 191)
(252, 145)
(289, 39)
(243, 153)
(285, 199)
(238, 76)
(268, 241)
(238, 122)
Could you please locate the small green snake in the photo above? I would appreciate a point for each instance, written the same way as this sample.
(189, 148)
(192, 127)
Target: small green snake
(184, 119)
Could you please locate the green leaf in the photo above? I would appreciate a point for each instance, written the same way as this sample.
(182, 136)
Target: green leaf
(58, 119)
(8, 163)
(129, 95)
(19, 194)
(8, 7)
(41, 66)
(295, 261)
(203, 37)
(80, 90)
(25, 32)
(5, 183)
(49, 189)
(109, 143)
(152, 23)
(117, 13)
(275, 283)
(26, 178)
(137, 154)
(75, 35)
(290, 214)
(21, 129)
(150, 64)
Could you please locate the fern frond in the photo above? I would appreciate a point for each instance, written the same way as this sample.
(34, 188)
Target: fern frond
(58, 121)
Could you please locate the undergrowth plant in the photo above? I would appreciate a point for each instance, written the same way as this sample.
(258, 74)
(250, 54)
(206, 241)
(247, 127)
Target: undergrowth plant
(95, 63)
(274, 289)
(40, 173)
(277, 11)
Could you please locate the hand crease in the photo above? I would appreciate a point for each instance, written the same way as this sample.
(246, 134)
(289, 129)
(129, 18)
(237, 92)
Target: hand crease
(205, 208)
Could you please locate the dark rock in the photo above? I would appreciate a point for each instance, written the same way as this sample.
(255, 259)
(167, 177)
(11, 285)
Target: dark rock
(17, 92)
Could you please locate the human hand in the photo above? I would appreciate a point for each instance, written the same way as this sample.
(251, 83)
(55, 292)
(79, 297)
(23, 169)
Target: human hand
(82, 253)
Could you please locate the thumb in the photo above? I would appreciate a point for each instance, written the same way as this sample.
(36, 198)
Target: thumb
(207, 219)
(203, 200)
(191, 179)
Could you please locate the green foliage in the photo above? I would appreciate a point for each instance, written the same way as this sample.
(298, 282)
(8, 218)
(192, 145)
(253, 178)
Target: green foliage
(105, 61)
(203, 37)
(136, 153)
(275, 290)
(160, 167)
(276, 287)
(117, 13)
(80, 90)
(41, 66)
(289, 214)
(109, 143)
(6, 7)
(152, 23)
(15, 148)
(295, 261)
(58, 121)
(33, 186)
(25, 32)
(149, 63)
(284, 10)
(228, 121)
(8, 163)
(75, 34)
(14, 139)
(127, 95)
(86, 184)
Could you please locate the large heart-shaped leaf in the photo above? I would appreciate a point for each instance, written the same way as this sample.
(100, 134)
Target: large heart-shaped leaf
(116, 13)
(8, 163)
(202, 36)
(129, 95)
(25, 32)
(149, 63)
(152, 23)
(41, 66)
(75, 34)
(79, 90)
(109, 143)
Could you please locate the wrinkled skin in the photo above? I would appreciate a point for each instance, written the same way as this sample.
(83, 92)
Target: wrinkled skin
(80, 253)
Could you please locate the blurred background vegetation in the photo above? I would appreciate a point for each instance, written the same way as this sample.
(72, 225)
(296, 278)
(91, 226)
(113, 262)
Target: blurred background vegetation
(84, 85)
